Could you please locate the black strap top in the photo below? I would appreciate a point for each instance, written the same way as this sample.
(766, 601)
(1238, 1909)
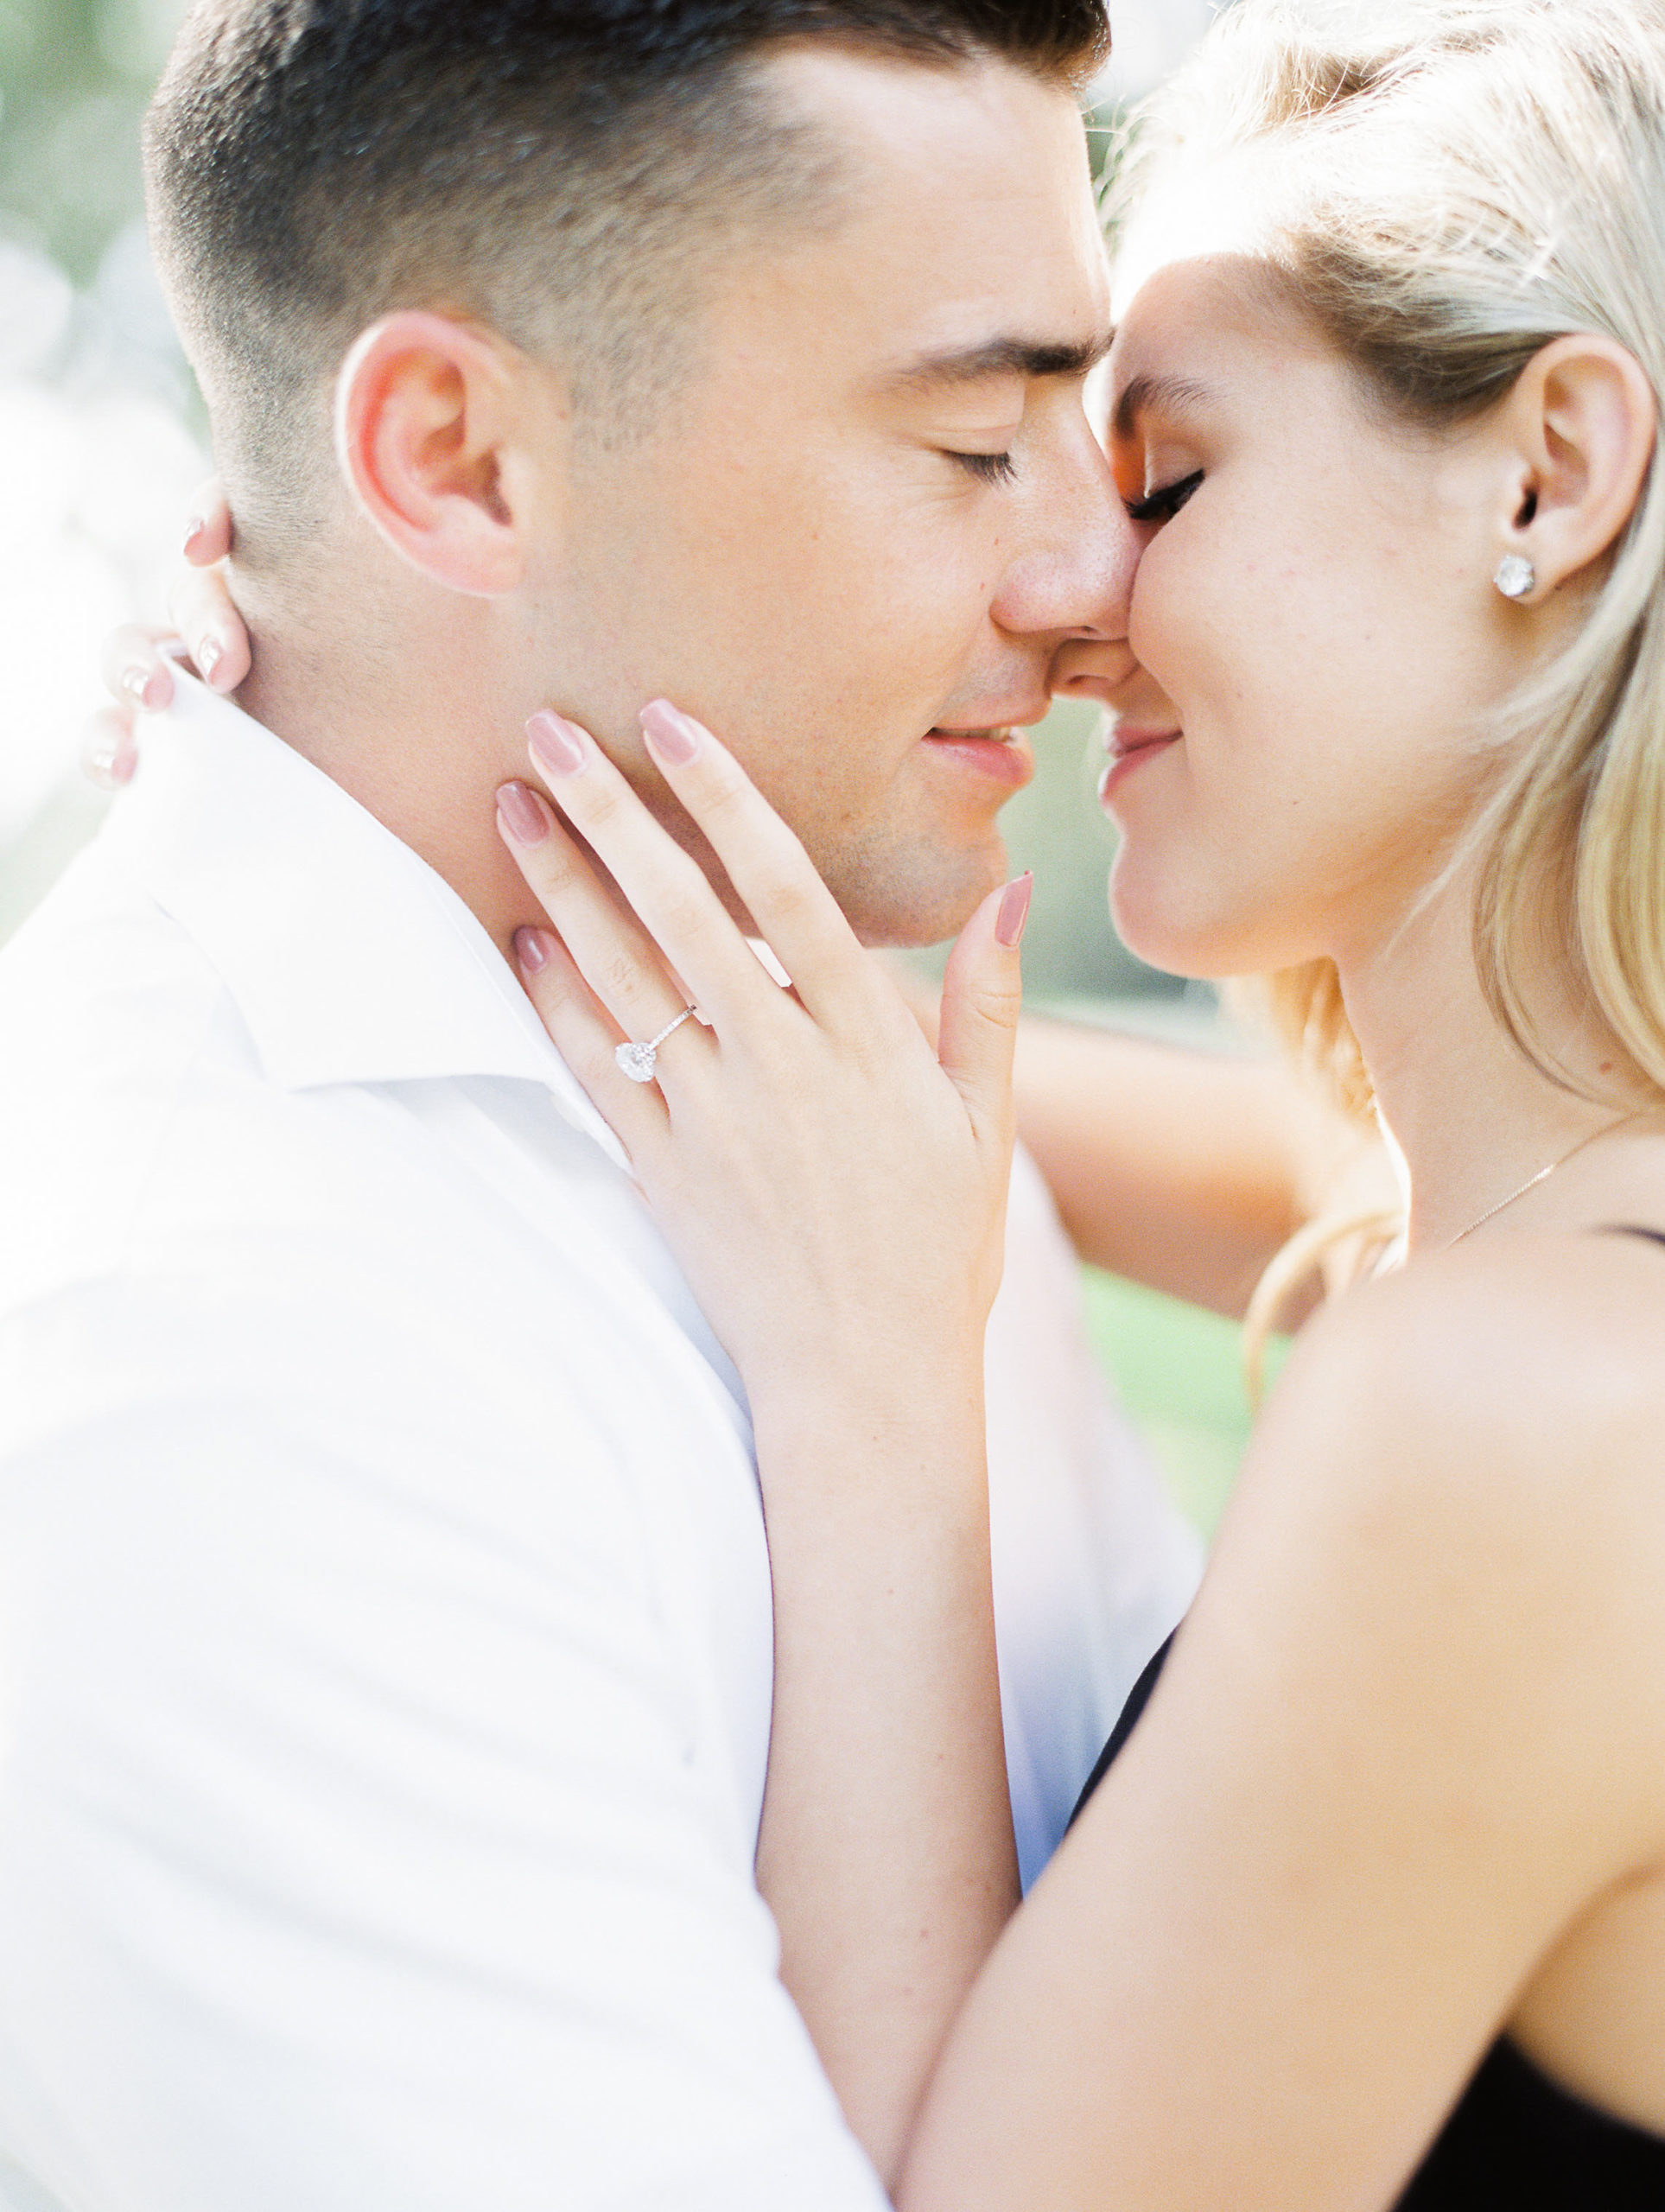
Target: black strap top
(1516, 2141)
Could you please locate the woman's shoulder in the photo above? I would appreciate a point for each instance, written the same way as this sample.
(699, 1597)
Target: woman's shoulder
(1457, 1491)
(1549, 1346)
(1495, 1411)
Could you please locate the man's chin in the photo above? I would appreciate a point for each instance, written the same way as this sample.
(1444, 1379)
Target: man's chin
(908, 912)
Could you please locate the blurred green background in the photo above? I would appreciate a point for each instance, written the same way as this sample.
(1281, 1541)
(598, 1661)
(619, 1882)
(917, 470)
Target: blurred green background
(74, 78)
(97, 400)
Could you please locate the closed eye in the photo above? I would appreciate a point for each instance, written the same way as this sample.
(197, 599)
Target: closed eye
(1162, 505)
(988, 467)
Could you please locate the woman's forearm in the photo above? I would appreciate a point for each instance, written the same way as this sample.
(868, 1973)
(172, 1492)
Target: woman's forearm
(886, 1851)
(1180, 1169)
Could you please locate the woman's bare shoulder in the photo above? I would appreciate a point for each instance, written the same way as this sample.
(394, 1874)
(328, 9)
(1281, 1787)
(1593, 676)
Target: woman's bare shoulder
(1489, 1420)
(1544, 1347)
(1457, 1493)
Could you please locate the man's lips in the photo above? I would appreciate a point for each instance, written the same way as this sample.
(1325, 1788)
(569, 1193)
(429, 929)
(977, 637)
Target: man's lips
(1000, 753)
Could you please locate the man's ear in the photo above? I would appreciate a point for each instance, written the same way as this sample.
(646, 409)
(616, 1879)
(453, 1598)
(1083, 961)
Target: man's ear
(1580, 425)
(431, 418)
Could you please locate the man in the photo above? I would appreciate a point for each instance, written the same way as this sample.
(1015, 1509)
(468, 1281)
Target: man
(386, 1615)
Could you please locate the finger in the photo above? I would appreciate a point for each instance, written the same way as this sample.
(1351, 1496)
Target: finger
(109, 754)
(983, 997)
(666, 886)
(136, 673)
(618, 960)
(206, 616)
(778, 882)
(588, 1040)
(208, 533)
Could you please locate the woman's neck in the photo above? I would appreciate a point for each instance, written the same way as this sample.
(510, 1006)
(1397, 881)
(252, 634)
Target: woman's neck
(1473, 1118)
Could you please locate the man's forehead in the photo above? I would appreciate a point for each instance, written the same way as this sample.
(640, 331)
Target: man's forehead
(964, 248)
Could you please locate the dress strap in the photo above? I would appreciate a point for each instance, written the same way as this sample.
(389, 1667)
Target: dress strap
(1137, 1699)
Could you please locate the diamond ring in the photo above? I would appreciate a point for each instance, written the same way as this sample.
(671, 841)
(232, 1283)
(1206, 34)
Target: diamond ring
(636, 1061)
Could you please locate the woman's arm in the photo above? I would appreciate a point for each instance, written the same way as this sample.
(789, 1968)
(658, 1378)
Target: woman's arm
(1398, 1751)
(1181, 1169)
(836, 1196)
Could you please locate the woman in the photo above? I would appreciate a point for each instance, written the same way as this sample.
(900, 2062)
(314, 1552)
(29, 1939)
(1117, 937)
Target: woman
(1383, 403)
(1390, 724)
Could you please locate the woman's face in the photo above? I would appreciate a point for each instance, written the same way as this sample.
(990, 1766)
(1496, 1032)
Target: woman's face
(1315, 627)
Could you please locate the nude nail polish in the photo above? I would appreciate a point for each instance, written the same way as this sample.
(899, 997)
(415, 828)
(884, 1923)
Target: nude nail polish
(674, 736)
(531, 951)
(208, 656)
(523, 820)
(1015, 910)
(558, 748)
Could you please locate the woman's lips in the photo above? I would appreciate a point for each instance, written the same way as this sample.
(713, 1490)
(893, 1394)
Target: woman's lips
(1129, 746)
(1000, 755)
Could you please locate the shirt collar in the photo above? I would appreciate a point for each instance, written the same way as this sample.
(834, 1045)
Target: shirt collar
(349, 958)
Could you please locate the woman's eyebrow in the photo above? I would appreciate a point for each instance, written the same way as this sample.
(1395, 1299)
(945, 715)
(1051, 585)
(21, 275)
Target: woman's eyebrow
(1171, 395)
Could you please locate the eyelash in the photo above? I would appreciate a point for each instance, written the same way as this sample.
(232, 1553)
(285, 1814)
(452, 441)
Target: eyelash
(988, 467)
(1163, 506)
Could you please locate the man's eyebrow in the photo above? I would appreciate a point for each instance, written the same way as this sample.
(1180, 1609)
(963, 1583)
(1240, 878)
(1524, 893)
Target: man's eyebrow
(1172, 395)
(1003, 357)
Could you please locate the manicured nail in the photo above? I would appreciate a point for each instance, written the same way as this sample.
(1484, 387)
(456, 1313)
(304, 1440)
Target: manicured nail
(523, 820)
(101, 759)
(151, 689)
(531, 950)
(208, 656)
(193, 530)
(1015, 910)
(558, 748)
(674, 736)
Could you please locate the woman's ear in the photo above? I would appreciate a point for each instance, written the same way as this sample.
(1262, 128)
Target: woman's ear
(430, 417)
(1581, 423)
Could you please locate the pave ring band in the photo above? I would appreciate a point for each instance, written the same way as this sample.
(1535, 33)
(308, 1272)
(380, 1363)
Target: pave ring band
(636, 1061)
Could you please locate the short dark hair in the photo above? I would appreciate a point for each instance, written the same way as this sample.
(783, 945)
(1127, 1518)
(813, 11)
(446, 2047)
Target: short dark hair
(555, 168)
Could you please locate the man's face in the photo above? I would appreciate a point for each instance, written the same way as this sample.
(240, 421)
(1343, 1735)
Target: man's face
(853, 545)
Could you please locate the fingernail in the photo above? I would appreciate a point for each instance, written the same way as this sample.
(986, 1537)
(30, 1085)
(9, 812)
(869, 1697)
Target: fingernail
(1015, 910)
(531, 950)
(135, 681)
(672, 735)
(101, 760)
(523, 820)
(193, 530)
(557, 747)
(208, 657)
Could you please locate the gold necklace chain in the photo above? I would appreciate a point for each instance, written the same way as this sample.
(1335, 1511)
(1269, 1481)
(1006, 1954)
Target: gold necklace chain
(1544, 1173)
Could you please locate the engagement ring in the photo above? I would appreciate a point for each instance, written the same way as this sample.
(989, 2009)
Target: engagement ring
(638, 1061)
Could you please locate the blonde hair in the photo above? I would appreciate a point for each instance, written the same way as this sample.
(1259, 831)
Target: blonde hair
(1448, 186)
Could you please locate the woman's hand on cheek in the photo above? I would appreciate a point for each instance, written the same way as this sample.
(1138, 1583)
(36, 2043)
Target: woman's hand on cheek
(835, 1194)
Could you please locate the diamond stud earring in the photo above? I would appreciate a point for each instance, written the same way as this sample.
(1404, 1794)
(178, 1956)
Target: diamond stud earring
(1514, 576)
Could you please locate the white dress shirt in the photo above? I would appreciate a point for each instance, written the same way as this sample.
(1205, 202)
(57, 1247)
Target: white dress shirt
(384, 1609)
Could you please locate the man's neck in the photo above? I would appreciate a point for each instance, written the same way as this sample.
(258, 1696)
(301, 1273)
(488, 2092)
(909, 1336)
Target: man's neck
(422, 740)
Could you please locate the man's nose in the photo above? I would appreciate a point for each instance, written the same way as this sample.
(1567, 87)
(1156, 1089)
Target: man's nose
(1074, 577)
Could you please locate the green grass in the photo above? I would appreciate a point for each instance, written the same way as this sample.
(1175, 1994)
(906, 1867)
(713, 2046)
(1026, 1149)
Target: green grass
(1179, 1373)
